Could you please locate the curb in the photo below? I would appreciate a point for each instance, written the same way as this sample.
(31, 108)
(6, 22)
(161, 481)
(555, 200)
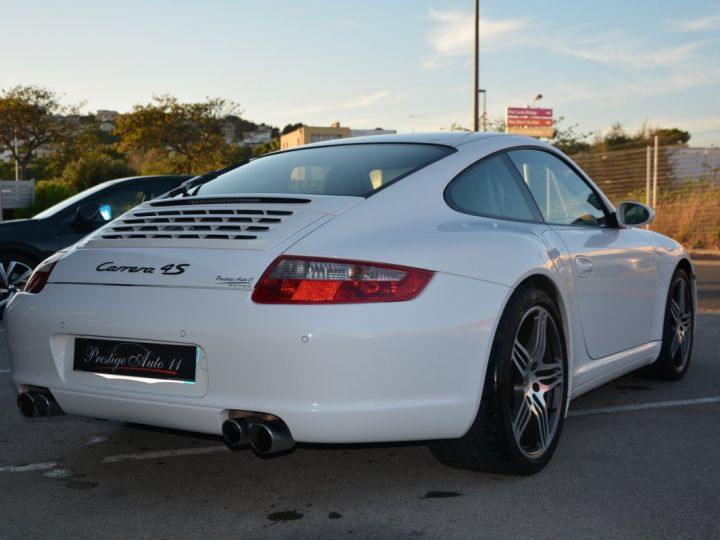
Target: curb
(704, 254)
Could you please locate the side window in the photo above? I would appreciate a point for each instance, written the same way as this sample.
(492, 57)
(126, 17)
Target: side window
(155, 189)
(120, 200)
(488, 188)
(562, 196)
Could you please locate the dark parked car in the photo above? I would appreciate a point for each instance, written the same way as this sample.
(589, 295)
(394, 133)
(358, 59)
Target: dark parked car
(26, 242)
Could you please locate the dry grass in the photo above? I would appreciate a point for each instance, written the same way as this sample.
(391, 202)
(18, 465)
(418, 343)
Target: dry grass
(691, 216)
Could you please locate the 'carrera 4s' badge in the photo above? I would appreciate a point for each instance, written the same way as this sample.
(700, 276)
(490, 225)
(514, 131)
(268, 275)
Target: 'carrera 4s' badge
(168, 269)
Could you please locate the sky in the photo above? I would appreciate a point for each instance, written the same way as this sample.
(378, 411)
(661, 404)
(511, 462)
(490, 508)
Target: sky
(395, 64)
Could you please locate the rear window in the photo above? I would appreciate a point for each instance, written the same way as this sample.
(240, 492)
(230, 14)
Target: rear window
(353, 169)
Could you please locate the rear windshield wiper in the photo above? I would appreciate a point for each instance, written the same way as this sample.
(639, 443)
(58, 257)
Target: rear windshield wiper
(184, 188)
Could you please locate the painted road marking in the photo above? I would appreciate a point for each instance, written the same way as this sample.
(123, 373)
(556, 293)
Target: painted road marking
(28, 468)
(165, 453)
(646, 406)
(4, 371)
(709, 311)
(141, 456)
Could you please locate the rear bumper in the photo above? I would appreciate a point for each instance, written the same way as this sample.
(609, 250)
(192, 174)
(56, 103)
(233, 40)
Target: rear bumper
(344, 373)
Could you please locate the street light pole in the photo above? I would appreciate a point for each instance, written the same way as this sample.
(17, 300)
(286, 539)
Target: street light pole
(484, 113)
(476, 63)
(17, 172)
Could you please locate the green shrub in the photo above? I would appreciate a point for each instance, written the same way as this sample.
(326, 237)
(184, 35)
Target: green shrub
(47, 193)
(92, 169)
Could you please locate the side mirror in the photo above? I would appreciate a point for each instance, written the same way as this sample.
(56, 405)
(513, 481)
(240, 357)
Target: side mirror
(87, 215)
(633, 214)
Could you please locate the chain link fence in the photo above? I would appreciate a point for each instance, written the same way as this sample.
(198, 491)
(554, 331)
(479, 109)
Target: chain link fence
(684, 187)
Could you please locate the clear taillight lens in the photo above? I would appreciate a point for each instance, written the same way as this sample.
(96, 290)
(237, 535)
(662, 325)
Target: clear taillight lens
(41, 274)
(301, 280)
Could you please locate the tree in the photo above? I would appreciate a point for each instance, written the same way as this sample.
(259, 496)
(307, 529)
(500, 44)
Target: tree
(291, 127)
(189, 135)
(263, 148)
(568, 139)
(30, 117)
(92, 169)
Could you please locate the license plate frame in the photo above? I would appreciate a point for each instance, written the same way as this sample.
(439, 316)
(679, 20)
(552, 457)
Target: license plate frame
(139, 359)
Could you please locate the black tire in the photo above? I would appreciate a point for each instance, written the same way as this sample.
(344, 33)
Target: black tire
(678, 329)
(15, 270)
(491, 444)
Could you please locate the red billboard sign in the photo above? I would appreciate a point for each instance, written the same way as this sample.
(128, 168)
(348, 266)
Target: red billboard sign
(530, 122)
(529, 112)
(534, 122)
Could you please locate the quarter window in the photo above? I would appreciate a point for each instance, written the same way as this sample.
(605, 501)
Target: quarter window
(563, 197)
(488, 188)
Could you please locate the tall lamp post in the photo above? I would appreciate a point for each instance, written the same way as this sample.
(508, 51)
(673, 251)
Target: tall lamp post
(476, 63)
(536, 99)
(484, 113)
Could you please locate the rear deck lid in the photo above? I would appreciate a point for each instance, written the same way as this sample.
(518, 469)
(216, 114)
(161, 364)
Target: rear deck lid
(224, 242)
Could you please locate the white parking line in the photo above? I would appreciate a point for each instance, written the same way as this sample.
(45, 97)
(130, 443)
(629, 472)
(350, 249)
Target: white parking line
(165, 453)
(141, 456)
(646, 406)
(3, 371)
(31, 467)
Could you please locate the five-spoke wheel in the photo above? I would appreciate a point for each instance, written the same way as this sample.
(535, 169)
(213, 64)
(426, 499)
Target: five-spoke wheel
(524, 398)
(538, 381)
(674, 358)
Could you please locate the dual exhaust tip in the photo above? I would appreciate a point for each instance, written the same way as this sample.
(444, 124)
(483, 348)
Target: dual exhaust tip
(266, 434)
(38, 404)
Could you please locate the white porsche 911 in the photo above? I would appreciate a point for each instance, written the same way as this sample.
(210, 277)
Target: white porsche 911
(455, 288)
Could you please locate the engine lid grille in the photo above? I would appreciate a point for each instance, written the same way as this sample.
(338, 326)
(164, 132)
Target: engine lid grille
(210, 223)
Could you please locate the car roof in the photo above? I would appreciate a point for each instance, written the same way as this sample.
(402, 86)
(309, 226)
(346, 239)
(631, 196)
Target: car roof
(143, 178)
(449, 138)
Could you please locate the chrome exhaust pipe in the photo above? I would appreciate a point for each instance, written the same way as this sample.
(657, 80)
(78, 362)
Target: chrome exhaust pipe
(45, 405)
(270, 435)
(236, 433)
(38, 403)
(26, 404)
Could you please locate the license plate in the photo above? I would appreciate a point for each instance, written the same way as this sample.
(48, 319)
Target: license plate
(136, 359)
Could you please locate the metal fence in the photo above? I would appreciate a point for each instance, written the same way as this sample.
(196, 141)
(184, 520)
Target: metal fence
(16, 194)
(681, 184)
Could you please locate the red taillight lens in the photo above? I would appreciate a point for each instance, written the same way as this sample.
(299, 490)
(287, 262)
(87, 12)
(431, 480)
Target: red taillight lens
(300, 280)
(41, 274)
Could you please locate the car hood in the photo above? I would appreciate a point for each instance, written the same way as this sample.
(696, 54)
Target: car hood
(18, 224)
(210, 242)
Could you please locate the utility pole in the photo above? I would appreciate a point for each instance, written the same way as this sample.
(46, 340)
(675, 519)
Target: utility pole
(484, 109)
(17, 171)
(476, 63)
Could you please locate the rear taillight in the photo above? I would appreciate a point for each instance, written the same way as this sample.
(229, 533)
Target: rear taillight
(41, 274)
(301, 280)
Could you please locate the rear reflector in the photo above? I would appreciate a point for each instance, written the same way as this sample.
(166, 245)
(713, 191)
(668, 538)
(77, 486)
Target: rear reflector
(41, 274)
(300, 280)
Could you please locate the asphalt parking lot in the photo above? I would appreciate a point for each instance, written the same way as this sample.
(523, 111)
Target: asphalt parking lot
(638, 459)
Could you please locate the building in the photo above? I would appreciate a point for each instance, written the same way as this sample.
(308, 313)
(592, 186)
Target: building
(262, 134)
(106, 119)
(376, 131)
(312, 134)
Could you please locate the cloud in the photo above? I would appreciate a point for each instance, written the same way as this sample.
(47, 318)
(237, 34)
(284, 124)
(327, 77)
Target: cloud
(454, 35)
(614, 48)
(703, 24)
(380, 97)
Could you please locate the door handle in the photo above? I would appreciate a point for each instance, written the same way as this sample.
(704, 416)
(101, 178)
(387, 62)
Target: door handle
(583, 266)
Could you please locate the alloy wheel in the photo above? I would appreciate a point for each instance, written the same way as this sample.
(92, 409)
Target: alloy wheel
(681, 324)
(538, 382)
(13, 276)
